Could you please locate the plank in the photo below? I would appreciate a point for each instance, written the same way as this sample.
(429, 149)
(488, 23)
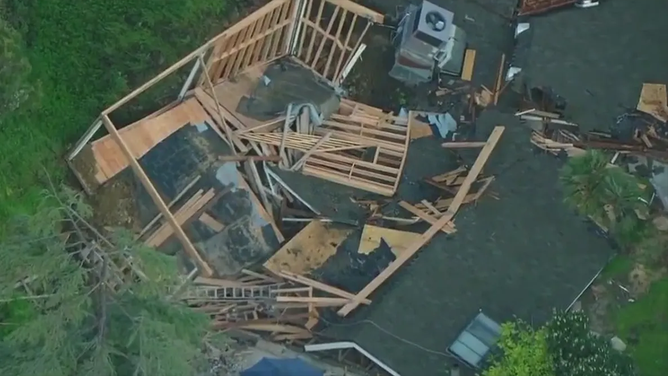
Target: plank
(310, 152)
(462, 145)
(320, 286)
(448, 228)
(469, 63)
(433, 230)
(211, 222)
(359, 9)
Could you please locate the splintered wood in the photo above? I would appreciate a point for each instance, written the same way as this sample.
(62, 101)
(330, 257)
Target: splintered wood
(284, 305)
(378, 168)
(359, 146)
(413, 247)
(192, 206)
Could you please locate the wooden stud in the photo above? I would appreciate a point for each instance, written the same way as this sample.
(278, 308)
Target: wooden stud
(359, 9)
(324, 40)
(228, 132)
(309, 51)
(343, 50)
(306, 155)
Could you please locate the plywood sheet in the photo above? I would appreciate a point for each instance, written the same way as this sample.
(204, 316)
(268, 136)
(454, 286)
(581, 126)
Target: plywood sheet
(396, 239)
(309, 249)
(653, 101)
(142, 136)
(230, 92)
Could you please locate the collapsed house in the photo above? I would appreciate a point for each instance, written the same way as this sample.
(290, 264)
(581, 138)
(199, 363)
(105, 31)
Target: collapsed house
(261, 136)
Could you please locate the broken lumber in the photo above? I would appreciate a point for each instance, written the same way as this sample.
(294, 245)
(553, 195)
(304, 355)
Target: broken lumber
(448, 228)
(171, 203)
(253, 158)
(182, 215)
(320, 286)
(435, 228)
(310, 152)
(462, 145)
(211, 222)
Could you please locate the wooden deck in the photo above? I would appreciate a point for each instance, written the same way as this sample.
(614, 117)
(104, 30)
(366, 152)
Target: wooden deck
(142, 136)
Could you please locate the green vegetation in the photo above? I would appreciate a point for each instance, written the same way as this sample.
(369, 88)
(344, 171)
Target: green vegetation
(644, 325)
(525, 352)
(84, 56)
(67, 311)
(612, 197)
(607, 194)
(562, 347)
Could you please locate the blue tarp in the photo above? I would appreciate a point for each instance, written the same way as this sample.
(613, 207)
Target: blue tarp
(282, 367)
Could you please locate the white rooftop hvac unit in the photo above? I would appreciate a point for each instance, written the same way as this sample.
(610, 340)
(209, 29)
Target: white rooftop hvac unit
(426, 38)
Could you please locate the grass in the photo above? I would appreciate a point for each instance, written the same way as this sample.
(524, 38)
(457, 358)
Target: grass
(644, 325)
(85, 55)
(619, 266)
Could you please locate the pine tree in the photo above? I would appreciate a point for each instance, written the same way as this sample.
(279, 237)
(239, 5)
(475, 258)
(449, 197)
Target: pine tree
(67, 309)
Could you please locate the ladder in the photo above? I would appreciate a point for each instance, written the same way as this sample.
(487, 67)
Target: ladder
(244, 293)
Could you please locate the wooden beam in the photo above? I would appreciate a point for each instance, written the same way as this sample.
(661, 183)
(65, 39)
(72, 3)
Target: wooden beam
(315, 300)
(359, 9)
(223, 124)
(145, 181)
(462, 145)
(469, 63)
(97, 124)
(433, 230)
(448, 228)
(171, 203)
(320, 286)
(254, 158)
(310, 152)
(239, 26)
(499, 80)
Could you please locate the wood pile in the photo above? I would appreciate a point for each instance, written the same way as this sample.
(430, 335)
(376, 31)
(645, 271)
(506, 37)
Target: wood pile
(359, 146)
(641, 132)
(284, 305)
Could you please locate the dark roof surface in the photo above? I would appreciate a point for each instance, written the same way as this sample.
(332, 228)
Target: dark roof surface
(598, 58)
(521, 255)
(526, 253)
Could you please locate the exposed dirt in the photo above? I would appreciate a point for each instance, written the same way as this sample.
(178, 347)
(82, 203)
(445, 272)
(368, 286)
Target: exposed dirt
(83, 165)
(113, 204)
(369, 82)
(608, 295)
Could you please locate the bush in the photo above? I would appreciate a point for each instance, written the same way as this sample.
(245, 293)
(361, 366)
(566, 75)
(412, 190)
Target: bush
(576, 351)
(15, 87)
(562, 347)
(607, 194)
(525, 352)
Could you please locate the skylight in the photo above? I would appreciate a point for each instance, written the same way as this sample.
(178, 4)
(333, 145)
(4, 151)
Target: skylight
(477, 340)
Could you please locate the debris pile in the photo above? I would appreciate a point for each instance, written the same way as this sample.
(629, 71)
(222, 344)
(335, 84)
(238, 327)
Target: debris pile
(641, 131)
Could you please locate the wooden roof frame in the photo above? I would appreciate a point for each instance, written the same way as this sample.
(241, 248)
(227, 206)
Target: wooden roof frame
(269, 33)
